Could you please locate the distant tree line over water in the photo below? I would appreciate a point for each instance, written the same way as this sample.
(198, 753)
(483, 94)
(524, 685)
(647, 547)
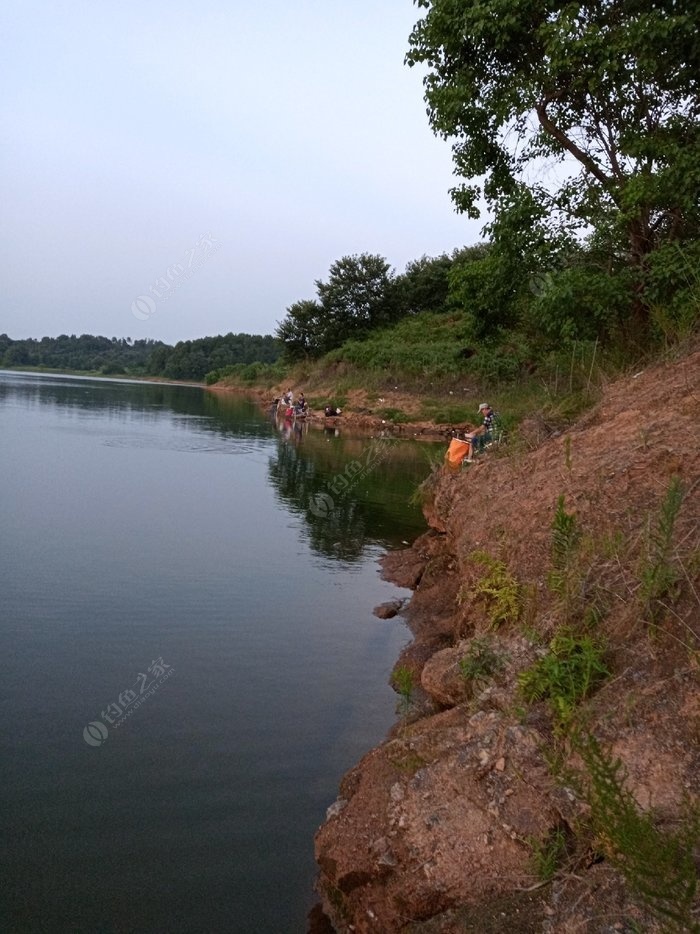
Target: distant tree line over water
(124, 356)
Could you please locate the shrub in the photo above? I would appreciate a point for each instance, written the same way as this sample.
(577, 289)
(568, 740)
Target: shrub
(480, 662)
(566, 675)
(659, 575)
(658, 866)
(499, 589)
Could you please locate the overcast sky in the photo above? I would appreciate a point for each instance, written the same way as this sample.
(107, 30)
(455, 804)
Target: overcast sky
(229, 149)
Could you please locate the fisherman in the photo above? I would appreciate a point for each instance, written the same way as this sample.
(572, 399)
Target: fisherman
(484, 434)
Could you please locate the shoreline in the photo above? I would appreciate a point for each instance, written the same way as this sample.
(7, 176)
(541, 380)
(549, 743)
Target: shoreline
(441, 827)
(83, 374)
(362, 422)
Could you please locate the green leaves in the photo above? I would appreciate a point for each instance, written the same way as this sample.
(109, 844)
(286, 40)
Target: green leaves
(609, 91)
(566, 675)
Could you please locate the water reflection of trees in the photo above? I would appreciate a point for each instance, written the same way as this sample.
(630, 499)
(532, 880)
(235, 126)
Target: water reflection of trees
(343, 518)
(114, 399)
(339, 529)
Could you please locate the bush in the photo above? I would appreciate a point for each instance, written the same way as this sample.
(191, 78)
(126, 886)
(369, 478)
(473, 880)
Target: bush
(658, 866)
(480, 662)
(566, 675)
(499, 589)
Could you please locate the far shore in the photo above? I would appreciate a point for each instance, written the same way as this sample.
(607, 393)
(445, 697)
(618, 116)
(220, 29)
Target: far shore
(95, 374)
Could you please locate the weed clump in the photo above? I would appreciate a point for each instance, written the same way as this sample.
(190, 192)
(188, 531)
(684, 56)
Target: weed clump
(569, 672)
(548, 854)
(403, 682)
(659, 574)
(657, 865)
(499, 589)
(480, 662)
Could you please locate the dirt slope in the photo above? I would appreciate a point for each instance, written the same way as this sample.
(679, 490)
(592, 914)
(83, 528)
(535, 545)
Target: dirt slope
(436, 829)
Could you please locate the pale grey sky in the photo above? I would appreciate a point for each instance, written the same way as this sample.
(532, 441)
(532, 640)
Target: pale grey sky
(285, 134)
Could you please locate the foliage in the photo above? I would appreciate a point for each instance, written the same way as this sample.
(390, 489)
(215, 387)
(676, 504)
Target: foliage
(565, 538)
(659, 575)
(566, 675)
(87, 352)
(248, 373)
(396, 416)
(607, 91)
(194, 359)
(548, 854)
(424, 285)
(499, 589)
(301, 330)
(658, 866)
(480, 661)
(673, 289)
(403, 682)
(359, 295)
(423, 345)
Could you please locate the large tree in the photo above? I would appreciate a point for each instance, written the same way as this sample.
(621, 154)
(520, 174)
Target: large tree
(593, 105)
(358, 296)
(301, 330)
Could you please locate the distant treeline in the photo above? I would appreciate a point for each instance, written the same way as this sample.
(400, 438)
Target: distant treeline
(115, 356)
(87, 352)
(194, 359)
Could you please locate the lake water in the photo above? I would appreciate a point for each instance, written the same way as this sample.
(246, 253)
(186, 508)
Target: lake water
(188, 653)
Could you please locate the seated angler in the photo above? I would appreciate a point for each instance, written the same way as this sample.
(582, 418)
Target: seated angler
(484, 434)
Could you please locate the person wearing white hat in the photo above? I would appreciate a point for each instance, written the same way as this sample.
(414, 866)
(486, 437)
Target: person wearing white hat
(479, 438)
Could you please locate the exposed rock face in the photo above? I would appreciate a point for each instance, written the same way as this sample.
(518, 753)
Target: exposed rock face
(454, 797)
(388, 610)
(435, 831)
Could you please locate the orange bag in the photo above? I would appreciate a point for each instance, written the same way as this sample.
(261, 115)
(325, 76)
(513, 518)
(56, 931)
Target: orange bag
(456, 452)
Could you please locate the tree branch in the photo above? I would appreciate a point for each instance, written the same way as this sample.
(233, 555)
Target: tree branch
(550, 127)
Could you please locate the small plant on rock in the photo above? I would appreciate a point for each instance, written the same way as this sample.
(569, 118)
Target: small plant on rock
(548, 854)
(403, 682)
(480, 662)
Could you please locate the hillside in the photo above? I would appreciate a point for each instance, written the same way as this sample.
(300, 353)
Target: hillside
(546, 763)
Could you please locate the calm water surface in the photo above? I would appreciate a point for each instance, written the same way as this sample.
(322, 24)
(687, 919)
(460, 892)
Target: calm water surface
(195, 587)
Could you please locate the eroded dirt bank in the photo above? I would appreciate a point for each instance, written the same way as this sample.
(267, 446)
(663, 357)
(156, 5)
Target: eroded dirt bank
(446, 825)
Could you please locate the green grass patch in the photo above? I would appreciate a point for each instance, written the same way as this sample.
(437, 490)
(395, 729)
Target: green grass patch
(396, 416)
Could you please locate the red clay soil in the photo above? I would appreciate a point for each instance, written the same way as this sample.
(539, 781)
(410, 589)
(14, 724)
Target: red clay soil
(436, 829)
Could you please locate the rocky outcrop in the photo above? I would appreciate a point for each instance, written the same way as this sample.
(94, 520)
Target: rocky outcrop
(440, 828)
